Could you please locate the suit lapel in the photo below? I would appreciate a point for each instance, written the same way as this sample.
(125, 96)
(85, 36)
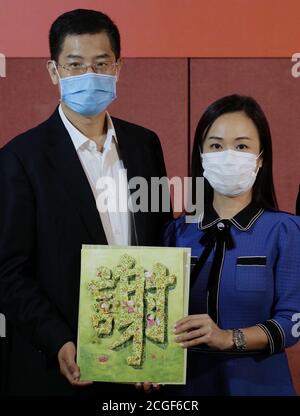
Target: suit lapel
(65, 160)
(127, 150)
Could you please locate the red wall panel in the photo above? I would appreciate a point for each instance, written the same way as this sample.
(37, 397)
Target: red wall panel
(27, 96)
(154, 93)
(168, 28)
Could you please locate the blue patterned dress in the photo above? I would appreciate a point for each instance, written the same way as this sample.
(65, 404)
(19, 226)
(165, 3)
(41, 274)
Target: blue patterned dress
(256, 282)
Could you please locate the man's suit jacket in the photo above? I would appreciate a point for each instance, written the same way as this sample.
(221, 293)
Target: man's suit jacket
(47, 211)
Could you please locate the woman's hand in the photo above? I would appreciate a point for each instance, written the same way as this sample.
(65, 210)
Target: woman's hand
(201, 329)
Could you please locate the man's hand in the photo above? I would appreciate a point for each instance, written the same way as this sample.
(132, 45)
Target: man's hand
(68, 366)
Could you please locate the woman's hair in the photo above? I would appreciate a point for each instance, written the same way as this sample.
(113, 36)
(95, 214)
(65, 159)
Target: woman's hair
(263, 188)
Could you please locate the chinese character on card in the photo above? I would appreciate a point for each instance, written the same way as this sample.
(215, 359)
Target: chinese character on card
(130, 298)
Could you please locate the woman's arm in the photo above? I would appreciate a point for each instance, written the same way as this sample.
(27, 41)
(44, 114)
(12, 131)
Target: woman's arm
(201, 329)
(277, 332)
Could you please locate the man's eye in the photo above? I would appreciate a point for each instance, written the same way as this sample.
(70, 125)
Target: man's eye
(74, 65)
(101, 65)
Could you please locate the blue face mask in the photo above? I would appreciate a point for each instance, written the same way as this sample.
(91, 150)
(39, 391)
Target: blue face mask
(88, 94)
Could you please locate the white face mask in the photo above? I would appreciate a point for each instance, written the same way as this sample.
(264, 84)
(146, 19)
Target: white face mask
(230, 172)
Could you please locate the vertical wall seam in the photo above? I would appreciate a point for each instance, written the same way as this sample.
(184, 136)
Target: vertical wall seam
(188, 116)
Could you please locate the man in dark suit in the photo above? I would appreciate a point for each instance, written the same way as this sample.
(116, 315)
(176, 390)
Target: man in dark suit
(49, 208)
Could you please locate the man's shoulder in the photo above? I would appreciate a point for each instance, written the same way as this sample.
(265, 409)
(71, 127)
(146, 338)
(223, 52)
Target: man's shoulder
(32, 138)
(133, 128)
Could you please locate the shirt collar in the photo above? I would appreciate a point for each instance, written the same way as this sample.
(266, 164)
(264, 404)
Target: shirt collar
(111, 133)
(79, 139)
(242, 220)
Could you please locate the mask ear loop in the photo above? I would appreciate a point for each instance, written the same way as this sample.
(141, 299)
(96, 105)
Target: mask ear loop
(118, 68)
(59, 79)
(258, 167)
(259, 154)
(56, 70)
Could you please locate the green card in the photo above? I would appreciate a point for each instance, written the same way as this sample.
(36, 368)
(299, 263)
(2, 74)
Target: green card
(130, 298)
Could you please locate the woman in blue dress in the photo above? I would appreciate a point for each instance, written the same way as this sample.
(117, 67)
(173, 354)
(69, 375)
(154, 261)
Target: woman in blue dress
(245, 281)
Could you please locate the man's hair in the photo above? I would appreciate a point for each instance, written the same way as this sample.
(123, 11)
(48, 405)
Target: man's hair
(80, 22)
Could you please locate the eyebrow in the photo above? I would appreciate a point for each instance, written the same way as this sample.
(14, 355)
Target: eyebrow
(221, 138)
(72, 56)
(242, 138)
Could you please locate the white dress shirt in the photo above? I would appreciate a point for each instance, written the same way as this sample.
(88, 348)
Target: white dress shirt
(97, 166)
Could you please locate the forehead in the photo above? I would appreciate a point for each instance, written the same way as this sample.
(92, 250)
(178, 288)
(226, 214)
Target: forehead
(232, 125)
(87, 45)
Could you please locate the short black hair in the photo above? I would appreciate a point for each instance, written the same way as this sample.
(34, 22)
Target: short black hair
(80, 22)
(263, 188)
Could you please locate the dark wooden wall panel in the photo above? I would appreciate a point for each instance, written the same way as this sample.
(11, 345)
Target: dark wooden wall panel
(154, 93)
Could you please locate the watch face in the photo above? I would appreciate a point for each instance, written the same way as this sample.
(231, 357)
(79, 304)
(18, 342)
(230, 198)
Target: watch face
(239, 339)
(239, 342)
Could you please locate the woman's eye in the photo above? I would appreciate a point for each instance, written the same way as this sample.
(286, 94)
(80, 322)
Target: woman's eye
(242, 147)
(215, 146)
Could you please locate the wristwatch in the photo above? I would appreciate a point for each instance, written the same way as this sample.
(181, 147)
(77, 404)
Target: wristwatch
(239, 340)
